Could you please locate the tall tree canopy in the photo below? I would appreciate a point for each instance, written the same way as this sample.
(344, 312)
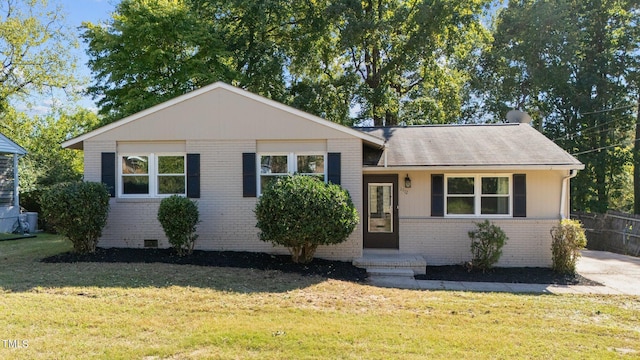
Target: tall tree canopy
(401, 61)
(383, 60)
(34, 50)
(46, 162)
(151, 51)
(571, 65)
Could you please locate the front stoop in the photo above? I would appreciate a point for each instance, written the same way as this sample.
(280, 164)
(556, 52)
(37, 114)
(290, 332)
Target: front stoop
(406, 265)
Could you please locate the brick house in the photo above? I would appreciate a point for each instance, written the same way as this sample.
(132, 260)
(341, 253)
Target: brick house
(418, 190)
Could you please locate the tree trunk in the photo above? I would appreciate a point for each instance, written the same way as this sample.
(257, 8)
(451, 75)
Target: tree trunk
(303, 254)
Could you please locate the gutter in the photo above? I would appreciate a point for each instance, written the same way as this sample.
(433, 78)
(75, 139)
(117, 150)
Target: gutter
(563, 193)
(484, 167)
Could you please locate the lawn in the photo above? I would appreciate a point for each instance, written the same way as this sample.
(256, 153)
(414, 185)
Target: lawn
(158, 311)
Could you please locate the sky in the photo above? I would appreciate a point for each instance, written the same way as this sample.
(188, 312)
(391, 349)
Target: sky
(75, 13)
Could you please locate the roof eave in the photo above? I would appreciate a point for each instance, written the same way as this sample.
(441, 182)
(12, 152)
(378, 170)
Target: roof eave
(76, 143)
(487, 167)
(15, 148)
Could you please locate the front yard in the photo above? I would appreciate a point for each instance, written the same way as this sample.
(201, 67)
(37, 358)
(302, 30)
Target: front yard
(156, 311)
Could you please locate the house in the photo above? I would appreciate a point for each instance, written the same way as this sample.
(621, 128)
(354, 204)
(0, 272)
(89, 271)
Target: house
(418, 190)
(10, 152)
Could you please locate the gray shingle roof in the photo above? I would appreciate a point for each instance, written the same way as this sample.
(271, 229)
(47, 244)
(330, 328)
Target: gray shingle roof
(486, 145)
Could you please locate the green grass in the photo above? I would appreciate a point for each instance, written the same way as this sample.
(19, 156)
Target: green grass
(158, 311)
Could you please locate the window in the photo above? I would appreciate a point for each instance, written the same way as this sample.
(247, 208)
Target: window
(152, 175)
(273, 166)
(6, 180)
(478, 195)
(135, 175)
(171, 175)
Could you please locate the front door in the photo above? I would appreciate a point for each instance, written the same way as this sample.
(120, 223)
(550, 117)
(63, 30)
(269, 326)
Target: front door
(380, 211)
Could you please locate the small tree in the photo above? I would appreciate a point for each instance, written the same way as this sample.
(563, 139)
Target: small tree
(179, 217)
(486, 244)
(568, 239)
(77, 210)
(302, 212)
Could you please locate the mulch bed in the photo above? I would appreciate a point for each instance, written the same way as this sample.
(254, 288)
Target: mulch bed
(339, 270)
(522, 275)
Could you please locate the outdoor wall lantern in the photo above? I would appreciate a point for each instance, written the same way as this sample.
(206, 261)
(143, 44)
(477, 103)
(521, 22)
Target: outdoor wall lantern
(407, 182)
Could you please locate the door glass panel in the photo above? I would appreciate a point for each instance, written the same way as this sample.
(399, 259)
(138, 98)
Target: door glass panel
(380, 208)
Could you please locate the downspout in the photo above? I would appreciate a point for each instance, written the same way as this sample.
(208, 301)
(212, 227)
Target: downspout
(563, 193)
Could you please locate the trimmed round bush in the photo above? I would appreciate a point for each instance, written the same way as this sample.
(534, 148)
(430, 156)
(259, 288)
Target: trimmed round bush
(487, 241)
(568, 238)
(179, 217)
(302, 212)
(77, 210)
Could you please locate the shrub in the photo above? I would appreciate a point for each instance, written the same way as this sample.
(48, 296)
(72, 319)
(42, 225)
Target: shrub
(302, 212)
(77, 210)
(568, 239)
(179, 217)
(486, 244)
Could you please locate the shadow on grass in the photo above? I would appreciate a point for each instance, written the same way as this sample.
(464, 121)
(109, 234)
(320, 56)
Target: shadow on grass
(241, 272)
(6, 236)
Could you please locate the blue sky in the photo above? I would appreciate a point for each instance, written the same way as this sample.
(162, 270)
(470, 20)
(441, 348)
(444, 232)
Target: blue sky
(78, 11)
(75, 13)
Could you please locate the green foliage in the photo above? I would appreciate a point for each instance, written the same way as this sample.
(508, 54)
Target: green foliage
(34, 51)
(487, 241)
(179, 217)
(398, 60)
(77, 210)
(302, 212)
(573, 66)
(151, 51)
(46, 162)
(568, 239)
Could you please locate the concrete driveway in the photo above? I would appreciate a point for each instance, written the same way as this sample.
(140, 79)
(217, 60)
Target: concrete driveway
(619, 272)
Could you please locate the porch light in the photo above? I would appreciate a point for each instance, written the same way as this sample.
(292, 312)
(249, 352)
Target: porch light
(407, 182)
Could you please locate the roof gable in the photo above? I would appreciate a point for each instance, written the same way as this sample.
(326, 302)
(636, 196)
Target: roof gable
(485, 145)
(220, 110)
(9, 147)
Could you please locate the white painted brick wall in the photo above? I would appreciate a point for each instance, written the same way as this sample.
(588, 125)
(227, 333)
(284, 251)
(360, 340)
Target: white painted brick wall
(446, 241)
(351, 179)
(228, 220)
(93, 157)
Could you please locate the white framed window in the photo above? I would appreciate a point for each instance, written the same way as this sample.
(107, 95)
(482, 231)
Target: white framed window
(478, 195)
(152, 175)
(275, 165)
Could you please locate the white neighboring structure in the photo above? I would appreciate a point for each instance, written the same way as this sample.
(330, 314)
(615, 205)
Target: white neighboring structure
(10, 152)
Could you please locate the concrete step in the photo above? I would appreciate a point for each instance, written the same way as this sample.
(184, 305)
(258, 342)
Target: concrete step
(409, 262)
(375, 271)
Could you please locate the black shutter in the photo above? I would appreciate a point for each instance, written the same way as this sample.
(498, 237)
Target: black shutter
(249, 175)
(437, 195)
(193, 175)
(108, 172)
(334, 168)
(519, 195)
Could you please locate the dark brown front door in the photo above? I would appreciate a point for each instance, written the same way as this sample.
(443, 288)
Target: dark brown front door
(380, 195)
